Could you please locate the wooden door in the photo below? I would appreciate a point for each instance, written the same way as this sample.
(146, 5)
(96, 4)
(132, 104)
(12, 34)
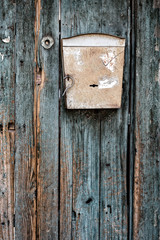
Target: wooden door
(78, 174)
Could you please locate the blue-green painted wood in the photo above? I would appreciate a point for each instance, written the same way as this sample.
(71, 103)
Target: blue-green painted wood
(93, 157)
(80, 142)
(131, 139)
(147, 114)
(7, 66)
(48, 124)
(25, 155)
(37, 117)
(7, 91)
(114, 135)
(99, 174)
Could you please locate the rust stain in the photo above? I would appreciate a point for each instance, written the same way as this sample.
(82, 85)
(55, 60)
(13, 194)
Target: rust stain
(114, 193)
(109, 59)
(116, 227)
(37, 25)
(157, 31)
(65, 194)
(156, 4)
(38, 84)
(6, 184)
(137, 184)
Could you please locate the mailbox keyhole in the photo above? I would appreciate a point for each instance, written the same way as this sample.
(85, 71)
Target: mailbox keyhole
(93, 85)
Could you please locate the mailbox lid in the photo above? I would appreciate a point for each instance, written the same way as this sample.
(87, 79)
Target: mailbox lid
(95, 61)
(94, 40)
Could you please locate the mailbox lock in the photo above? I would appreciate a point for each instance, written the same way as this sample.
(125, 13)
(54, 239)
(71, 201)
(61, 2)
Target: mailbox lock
(68, 77)
(47, 42)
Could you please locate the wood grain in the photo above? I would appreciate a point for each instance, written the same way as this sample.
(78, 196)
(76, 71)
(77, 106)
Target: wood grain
(7, 65)
(114, 135)
(7, 117)
(147, 113)
(47, 122)
(94, 143)
(25, 142)
(80, 133)
(7, 184)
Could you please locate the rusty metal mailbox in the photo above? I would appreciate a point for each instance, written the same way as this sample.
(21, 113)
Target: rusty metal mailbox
(93, 71)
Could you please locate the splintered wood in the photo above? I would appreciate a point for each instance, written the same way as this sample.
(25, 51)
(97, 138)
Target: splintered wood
(95, 62)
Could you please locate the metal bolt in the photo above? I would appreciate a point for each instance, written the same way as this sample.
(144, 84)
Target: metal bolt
(47, 42)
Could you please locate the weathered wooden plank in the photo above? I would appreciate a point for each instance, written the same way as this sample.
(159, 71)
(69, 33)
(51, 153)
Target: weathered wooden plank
(79, 212)
(7, 79)
(7, 68)
(131, 119)
(7, 184)
(80, 133)
(146, 175)
(81, 130)
(25, 141)
(85, 171)
(47, 92)
(114, 133)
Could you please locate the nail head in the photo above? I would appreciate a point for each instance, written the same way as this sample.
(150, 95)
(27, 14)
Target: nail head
(47, 42)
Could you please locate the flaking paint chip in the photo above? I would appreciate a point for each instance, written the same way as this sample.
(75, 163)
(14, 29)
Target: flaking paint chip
(6, 40)
(95, 62)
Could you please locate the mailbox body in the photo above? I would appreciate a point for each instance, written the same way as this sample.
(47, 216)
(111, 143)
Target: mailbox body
(95, 62)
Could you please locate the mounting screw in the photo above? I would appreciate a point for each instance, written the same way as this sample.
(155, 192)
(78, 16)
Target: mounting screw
(47, 42)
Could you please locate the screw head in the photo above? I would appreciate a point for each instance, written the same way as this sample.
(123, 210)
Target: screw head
(47, 42)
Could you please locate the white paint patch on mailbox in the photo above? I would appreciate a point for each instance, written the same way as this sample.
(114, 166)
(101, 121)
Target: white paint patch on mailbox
(76, 53)
(107, 82)
(109, 60)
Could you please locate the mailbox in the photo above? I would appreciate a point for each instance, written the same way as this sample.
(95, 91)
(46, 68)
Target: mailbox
(93, 71)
